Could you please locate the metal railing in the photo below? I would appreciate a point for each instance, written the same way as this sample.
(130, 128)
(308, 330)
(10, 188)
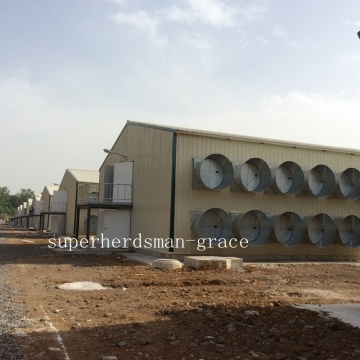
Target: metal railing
(53, 206)
(107, 192)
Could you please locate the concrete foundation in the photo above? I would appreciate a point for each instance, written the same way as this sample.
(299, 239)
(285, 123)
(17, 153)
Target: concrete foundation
(214, 263)
(167, 264)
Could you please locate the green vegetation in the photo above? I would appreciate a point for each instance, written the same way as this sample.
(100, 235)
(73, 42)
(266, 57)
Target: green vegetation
(9, 203)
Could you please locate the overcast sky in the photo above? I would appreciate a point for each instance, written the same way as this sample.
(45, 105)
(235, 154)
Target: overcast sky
(73, 71)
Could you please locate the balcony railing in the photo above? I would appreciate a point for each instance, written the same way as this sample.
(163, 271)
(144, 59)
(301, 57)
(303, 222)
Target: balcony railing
(53, 207)
(105, 193)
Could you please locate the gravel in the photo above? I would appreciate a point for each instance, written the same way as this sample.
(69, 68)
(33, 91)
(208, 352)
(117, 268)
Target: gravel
(12, 315)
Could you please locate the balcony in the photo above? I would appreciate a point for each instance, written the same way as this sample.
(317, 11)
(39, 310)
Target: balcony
(56, 207)
(105, 193)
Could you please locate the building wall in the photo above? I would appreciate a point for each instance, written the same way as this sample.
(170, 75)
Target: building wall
(46, 198)
(82, 223)
(189, 199)
(69, 183)
(150, 149)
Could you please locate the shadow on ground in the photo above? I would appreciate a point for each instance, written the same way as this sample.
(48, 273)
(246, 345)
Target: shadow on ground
(205, 332)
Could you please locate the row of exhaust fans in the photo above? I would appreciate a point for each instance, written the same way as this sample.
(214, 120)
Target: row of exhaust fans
(288, 228)
(216, 172)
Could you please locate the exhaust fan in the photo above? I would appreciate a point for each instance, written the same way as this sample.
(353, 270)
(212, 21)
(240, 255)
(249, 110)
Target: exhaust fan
(214, 223)
(320, 181)
(348, 184)
(321, 230)
(349, 231)
(215, 172)
(254, 226)
(252, 176)
(287, 179)
(289, 228)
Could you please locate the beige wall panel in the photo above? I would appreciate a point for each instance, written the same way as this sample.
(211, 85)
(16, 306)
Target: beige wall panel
(68, 183)
(46, 197)
(151, 151)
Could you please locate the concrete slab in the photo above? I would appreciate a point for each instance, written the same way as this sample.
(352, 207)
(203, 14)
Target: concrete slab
(140, 257)
(167, 264)
(347, 313)
(214, 263)
(81, 285)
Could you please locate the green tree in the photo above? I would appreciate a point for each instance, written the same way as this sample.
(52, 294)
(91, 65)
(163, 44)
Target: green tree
(20, 197)
(6, 207)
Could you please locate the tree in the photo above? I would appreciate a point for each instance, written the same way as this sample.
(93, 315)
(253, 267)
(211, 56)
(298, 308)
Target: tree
(6, 207)
(10, 203)
(20, 197)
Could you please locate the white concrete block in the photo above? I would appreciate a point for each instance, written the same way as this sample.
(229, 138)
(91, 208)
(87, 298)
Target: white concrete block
(167, 264)
(214, 263)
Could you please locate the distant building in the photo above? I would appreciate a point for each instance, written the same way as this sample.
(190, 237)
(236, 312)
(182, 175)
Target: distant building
(79, 186)
(48, 207)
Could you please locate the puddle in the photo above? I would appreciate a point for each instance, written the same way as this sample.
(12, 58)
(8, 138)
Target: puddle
(348, 313)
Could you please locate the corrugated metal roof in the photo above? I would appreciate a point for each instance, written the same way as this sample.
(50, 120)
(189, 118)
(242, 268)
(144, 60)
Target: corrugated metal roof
(87, 176)
(244, 138)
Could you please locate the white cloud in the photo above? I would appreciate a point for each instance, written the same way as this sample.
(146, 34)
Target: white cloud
(117, 2)
(201, 43)
(44, 137)
(352, 23)
(262, 40)
(350, 59)
(177, 15)
(143, 22)
(300, 117)
(278, 32)
(215, 13)
(294, 117)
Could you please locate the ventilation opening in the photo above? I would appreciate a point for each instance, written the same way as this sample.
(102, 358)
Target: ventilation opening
(349, 231)
(348, 184)
(212, 224)
(288, 178)
(254, 226)
(289, 228)
(215, 172)
(320, 181)
(321, 230)
(252, 176)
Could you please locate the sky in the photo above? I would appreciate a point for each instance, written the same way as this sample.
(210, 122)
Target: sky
(72, 72)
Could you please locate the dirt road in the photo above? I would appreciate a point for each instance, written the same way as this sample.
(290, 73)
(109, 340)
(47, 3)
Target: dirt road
(148, 313)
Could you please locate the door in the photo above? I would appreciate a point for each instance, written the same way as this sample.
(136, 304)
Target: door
(116, 229)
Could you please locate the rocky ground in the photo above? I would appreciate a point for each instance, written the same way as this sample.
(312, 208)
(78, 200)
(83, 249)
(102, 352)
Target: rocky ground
(12, 316)
(147, 313)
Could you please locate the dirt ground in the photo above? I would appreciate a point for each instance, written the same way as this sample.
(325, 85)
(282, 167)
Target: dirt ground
(148, 313)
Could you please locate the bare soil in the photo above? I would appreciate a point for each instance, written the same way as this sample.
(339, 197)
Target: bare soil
(148, 313)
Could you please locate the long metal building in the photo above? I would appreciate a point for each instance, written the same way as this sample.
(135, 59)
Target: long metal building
(288, 200)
